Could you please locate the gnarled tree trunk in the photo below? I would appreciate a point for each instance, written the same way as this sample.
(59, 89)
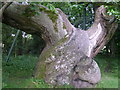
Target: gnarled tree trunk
(68, 55)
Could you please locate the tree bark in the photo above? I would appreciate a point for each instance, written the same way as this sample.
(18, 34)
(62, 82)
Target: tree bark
(6, 5)
(69, 52)
(112, 48)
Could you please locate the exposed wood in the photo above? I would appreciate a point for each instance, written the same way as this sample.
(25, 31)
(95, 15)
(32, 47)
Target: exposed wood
(101, 31)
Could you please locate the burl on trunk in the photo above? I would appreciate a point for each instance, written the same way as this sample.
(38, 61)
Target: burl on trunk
(69, 52)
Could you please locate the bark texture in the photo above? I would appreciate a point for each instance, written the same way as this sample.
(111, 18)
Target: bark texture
(68, 55)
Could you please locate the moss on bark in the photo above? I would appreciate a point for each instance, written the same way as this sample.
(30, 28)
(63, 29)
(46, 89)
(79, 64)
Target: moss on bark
(41, 65)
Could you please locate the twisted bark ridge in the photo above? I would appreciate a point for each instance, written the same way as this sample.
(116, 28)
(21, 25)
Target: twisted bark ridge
(68, 55)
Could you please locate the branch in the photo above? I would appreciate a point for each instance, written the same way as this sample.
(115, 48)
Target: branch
(5, 6)
(101, 31)
(51, 26)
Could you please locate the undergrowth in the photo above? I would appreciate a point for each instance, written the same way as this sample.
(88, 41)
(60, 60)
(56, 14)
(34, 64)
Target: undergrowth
(17, 73)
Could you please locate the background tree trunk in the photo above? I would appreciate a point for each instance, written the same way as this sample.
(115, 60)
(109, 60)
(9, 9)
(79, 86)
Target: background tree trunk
(68, 55)
(19, 44)
(112, 48)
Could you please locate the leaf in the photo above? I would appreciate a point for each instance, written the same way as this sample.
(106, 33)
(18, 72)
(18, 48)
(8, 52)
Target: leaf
(51, 7)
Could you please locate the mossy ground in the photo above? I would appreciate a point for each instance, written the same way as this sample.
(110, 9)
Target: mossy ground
(18, 74)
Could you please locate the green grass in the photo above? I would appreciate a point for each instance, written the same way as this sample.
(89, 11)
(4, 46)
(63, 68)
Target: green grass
(17, 73)
(108, 81)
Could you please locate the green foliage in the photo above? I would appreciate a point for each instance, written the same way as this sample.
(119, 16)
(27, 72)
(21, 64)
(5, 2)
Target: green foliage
(52, 15)
(8, 34)
(51, 7)
(109, 79)
(103, 61)
(112, 10)
(36, 42)
(25, 43)
(75, 12)
(34, 8)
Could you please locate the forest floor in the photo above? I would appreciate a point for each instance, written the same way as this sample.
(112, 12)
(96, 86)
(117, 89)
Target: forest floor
(17, 73)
